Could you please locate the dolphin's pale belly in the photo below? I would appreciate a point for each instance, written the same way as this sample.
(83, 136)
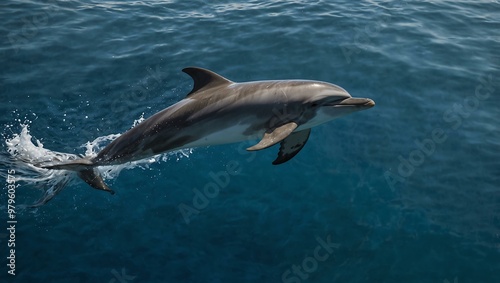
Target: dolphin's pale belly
(231, 134)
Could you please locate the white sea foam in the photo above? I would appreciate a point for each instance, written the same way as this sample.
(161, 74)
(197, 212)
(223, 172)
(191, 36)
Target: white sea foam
(25, 154)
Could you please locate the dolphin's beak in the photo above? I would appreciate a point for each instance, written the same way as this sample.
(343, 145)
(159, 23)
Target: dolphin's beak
(352, 101)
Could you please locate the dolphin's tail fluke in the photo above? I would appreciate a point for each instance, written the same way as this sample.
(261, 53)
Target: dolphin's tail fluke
(86, 170)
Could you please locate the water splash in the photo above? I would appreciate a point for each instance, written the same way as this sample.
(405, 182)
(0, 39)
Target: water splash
(24, 153)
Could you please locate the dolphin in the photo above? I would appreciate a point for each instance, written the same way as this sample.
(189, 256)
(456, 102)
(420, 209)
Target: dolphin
(218, 111)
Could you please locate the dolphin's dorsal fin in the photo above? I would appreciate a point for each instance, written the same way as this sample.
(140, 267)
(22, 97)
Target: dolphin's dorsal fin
(204, 79)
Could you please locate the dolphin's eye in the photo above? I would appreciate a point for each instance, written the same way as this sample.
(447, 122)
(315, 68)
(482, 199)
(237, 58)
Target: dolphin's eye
(314, 104)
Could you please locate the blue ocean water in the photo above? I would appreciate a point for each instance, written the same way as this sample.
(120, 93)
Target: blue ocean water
(407, 191)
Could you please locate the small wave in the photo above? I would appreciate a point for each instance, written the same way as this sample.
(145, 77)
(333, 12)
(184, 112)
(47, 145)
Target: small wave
(25, 154)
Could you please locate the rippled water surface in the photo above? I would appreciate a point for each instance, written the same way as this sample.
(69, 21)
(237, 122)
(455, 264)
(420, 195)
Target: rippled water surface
(408, 191)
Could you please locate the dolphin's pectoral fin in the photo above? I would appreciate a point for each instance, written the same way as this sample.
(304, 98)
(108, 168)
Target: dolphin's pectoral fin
(274, 136)
(92, 177)
(291, 146)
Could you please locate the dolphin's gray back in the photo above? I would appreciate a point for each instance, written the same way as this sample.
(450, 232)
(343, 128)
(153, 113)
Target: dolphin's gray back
(149, 137)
